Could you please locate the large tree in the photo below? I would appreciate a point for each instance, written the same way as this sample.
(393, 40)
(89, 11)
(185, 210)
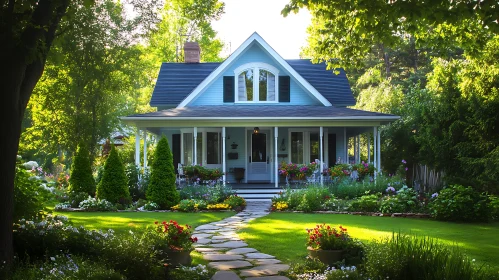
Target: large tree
(345, 31)
(27, 30)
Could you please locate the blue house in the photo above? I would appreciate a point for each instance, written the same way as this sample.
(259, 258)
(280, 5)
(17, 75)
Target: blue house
(254, 111)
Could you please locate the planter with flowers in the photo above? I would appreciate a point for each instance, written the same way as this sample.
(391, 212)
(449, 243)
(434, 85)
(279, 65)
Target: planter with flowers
(174, 241)
(328, 244)
(297, 172)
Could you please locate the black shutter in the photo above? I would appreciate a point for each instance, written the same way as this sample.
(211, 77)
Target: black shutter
(176, 151)
(228, 89)
(331, 144)
(284, 89)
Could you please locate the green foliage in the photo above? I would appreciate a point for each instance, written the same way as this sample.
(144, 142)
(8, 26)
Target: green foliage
(459, 203)
(29, 196)
(235, 201)
(162, 189)
(405, 201)
(75, 198)
(494, 207)
(313, 198)
(95, 204)
(403, 257)
(366, 203)
(136, 186)
(81, 178)
(200, 272)
(114, 185)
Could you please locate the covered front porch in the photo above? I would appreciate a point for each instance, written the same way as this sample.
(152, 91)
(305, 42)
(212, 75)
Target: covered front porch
(248, 143)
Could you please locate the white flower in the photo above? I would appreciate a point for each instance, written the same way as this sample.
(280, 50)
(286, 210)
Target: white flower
(52, 259)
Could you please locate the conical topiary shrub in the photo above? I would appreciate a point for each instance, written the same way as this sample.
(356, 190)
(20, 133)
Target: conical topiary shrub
(162, 189)
(114, 185)
(81, 178)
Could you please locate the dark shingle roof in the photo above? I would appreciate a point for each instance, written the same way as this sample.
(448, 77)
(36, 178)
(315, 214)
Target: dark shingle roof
(177, 80)
(264, 111)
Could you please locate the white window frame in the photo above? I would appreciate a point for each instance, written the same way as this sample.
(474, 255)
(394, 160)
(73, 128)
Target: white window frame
(306, 142)
(255, 67)
(203, 131)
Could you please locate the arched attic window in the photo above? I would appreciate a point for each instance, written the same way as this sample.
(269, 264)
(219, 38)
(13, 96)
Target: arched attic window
(256, 83)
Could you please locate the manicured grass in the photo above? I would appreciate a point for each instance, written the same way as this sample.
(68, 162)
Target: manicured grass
(124, 221)
(283, 234)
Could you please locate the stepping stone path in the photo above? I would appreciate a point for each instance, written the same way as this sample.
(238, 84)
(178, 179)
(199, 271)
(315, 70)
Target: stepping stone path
(234, 260)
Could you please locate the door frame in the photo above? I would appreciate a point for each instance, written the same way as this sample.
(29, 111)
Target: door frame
(270, 151)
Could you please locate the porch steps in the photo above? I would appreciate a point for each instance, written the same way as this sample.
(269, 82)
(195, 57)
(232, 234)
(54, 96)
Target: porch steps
(258, 194)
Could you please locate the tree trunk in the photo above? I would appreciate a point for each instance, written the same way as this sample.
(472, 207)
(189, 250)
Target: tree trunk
(22, 59)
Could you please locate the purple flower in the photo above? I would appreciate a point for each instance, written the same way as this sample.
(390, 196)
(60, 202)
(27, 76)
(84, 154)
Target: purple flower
(406, 169)
(435, 195)
(390, 189)
(403, 161)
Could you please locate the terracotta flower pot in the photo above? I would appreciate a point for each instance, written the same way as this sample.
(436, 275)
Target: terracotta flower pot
(177, 258)
(329, 257)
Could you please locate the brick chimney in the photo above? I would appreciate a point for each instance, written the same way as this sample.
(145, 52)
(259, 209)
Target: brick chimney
(192, 52)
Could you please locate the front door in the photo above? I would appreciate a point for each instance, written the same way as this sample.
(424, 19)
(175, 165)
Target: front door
(259, 157)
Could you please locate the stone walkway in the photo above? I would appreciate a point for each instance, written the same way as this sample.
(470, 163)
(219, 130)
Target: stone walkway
(234, 260)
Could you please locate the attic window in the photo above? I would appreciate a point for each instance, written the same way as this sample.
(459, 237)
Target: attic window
(256, 83)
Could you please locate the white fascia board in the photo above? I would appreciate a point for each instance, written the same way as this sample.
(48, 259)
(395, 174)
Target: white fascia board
(220, 69)
(367, 118)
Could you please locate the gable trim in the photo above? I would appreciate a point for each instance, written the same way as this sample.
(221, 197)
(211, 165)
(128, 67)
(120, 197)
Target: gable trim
(220, 69)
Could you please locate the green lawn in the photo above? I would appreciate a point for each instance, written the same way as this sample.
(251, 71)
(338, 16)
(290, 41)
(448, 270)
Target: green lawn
(283, 234)
(125, 221)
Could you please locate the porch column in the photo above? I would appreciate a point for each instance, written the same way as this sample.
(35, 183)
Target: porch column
(345, 144)
(224, 177)
(195, 152)
(137, 147)
(375, 137)
(321, 147)
(379, 151)
(368, 147)
(145, 148)
(276, 164)
(358, 148)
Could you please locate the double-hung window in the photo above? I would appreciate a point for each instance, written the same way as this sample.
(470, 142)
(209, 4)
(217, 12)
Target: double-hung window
(208, 147)
(256, 83)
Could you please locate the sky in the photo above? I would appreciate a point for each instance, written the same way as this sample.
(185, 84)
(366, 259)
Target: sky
(242, 18)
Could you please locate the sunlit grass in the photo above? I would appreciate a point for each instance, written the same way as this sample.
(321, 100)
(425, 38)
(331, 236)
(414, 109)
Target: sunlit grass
(124, 221)
(283, 234)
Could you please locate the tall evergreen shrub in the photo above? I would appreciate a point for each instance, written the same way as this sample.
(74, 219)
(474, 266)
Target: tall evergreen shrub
(81, 178)
(162, 189)
(114, 184)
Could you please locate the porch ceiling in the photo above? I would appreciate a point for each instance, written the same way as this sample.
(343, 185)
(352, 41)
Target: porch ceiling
(250, 115)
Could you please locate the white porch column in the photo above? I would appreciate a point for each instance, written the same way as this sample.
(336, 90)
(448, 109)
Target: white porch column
(137, 147)
(276, 163)
(195, 152)
(345, 158)
(375, 158)
(224, 177)
(145, 148)
(321, 137)
(379, 151)
(368, 147)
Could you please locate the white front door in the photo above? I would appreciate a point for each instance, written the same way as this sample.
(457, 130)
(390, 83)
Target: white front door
(259, 157)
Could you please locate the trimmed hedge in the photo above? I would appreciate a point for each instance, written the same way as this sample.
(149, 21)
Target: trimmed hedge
(113, 186)
(81, 178)
(162, 189)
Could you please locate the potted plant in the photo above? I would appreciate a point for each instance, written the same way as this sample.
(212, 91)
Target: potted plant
(175, 241)
(328, 244)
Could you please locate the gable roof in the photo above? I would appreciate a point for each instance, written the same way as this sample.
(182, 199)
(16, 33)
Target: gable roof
(177, 80)
(253, 39)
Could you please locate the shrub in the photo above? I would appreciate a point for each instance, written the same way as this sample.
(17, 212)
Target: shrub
(66, 267)
(150, 206)
(95, 204)
(62, 206)
(235, 201)
(199, 272)
(162, 189)
(134, 186)
(333, 204)
(113, 185)
(459, 203)
(312, 198)
(366, 203)
(62, 181)
(279, 206)
(81, 178)
(29, 196)
(494, 207)
(75, 198)
(403, 257)
(406, 200)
